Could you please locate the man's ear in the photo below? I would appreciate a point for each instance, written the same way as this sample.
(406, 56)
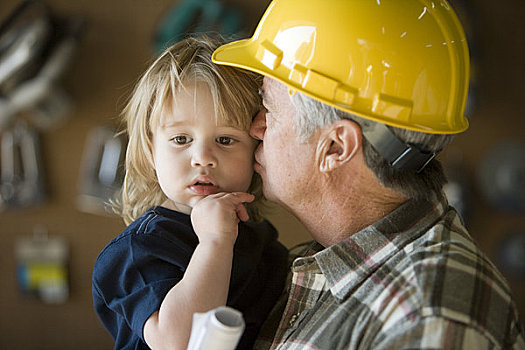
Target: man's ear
(338, 144)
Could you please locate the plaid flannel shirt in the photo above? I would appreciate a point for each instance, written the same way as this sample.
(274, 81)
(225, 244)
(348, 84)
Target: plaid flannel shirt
(413, 280)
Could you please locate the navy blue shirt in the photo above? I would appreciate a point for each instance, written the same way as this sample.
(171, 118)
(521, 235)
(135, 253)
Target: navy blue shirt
(135, 271)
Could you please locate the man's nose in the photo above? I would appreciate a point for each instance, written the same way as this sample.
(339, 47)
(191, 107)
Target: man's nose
(203, 156)
(258, 127)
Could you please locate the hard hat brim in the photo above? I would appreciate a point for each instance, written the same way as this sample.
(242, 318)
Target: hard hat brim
(242, 53)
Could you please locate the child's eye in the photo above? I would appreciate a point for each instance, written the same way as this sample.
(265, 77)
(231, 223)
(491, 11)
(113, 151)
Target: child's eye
(225, 140)
(181, 139)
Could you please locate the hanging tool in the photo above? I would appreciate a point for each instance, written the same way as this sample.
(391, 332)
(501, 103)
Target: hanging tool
(42, 266)
(102, 171)
(22, 181)
(196, 16)
(35, 48)
(502, 176)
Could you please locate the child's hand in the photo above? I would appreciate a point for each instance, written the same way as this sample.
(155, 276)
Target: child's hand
(215, 217)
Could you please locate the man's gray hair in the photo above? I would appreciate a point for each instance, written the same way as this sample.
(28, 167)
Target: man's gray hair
(311, 115)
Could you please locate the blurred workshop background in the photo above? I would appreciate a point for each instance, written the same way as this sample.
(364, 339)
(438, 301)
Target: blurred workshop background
(66, 69)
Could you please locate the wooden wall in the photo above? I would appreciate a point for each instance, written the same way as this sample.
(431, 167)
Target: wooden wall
(115, 49)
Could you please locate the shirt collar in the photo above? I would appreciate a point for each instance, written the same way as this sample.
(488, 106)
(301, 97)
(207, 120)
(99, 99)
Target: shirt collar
(348, 263)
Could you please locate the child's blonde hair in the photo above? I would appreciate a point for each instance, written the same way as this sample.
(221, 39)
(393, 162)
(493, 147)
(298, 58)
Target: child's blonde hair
(236, 99)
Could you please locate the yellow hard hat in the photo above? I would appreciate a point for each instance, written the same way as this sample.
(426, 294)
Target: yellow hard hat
(400, 62)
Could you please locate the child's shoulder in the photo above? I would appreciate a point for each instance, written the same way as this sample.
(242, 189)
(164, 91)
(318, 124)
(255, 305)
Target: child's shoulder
(156, 224)
(157, 220)
(141, 225)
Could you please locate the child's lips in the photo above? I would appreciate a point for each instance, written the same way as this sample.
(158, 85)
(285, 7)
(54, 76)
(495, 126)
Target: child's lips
(204, 185)
(204, 190)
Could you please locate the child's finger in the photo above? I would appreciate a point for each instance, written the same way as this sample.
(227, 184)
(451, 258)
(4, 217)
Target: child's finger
(242, 197)
(217, 195)
(242, 213)
(238, 198)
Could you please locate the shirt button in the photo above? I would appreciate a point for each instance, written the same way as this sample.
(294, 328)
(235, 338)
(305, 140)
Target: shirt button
(294, 318)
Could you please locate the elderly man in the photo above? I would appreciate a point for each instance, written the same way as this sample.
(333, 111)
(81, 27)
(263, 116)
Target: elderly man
(359, 97)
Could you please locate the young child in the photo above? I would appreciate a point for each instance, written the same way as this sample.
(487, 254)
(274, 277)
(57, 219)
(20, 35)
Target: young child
(189, 175)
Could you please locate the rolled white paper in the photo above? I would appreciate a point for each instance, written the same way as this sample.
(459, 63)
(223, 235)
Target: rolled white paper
(218, 329)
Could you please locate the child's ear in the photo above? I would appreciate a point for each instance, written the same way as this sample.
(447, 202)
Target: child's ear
(338, 144)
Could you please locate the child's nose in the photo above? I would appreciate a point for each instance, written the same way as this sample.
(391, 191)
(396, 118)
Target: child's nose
(203, 157)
